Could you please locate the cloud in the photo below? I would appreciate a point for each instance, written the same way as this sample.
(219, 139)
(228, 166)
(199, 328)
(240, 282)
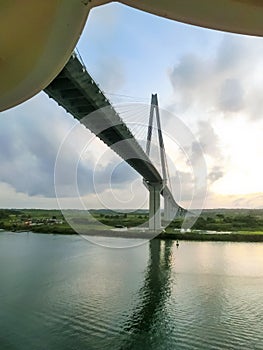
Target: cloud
(188, 72)
(215, 174)
(210, 145)
(194, 178)
(30, 140)
(195, 153)
(96, 179)
(102, 24)
(206, 146)
(187, 194)
(226, 81)
(97, 46)
(252, 200)
(208, 139)
(187, 76)
(231, 96)
(230, 54)
(223, 90)
(12, 199)
(110, 72)
(183, 185)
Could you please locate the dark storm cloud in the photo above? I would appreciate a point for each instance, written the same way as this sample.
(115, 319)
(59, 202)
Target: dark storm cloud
(116, 174)
(29, 144)
(28, 151)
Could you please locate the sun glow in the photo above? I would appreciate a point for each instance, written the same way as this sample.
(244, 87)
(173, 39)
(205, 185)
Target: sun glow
(241, 144)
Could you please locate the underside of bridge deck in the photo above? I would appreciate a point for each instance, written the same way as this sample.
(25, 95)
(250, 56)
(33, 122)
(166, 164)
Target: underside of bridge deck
(75, 90)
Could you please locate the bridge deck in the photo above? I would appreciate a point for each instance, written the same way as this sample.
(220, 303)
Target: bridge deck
(75, 90)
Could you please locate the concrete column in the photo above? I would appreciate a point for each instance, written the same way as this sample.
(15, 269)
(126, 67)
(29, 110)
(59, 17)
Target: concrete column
(154, 203)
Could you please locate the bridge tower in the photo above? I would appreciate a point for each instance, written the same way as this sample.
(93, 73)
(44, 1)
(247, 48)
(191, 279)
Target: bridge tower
(156, 189)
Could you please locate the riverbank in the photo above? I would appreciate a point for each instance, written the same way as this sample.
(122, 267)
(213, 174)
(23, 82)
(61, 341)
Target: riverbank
(215, 237)
(187, 236)
(231, 225)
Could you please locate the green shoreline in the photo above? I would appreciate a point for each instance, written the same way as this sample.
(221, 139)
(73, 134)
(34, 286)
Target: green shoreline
(188, 236)
(231, 225)
(214, 237)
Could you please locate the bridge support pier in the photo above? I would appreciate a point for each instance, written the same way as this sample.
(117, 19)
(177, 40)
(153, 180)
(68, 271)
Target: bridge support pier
(154, 203)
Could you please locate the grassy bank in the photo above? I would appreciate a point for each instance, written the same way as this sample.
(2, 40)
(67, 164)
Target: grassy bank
(220, 237)
(244, 225)
(188, 236)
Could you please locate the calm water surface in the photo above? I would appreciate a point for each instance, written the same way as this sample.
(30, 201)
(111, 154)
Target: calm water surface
(64, 293)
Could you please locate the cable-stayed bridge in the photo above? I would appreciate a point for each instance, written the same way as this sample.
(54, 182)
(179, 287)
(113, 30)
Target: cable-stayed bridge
(76, 91)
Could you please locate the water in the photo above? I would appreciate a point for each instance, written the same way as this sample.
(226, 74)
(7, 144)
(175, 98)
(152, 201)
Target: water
(64, 293)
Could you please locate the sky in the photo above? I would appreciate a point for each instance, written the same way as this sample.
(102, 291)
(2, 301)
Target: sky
(209, 86)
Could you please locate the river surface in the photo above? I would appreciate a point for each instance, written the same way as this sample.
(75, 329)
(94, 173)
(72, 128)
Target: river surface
(64, 293)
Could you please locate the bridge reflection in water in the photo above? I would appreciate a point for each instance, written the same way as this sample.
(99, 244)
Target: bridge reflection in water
(153, 294)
